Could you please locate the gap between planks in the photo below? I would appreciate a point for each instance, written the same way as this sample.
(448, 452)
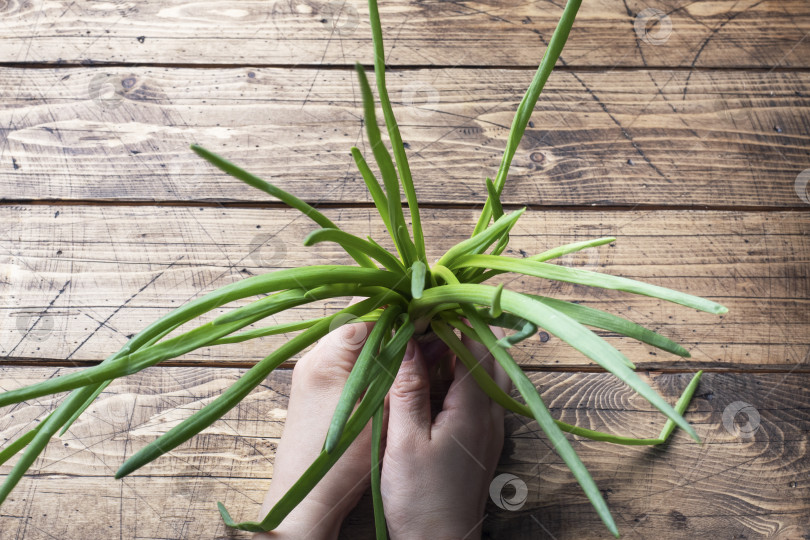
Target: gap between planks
(398, 67)
(431, 206)
(59, 363)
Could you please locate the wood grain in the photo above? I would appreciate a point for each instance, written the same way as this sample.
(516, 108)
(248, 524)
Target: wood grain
(748, 485)
(680, 127)
(77, 280)
(605, 138)
(748, 33)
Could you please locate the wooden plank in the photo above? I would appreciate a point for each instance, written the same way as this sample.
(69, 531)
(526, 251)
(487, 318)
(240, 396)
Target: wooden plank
(76, 280)
(749, 33)
(748, 477)
(702, 138)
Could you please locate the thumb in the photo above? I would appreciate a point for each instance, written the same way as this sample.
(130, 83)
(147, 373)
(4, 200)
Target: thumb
(409, 399)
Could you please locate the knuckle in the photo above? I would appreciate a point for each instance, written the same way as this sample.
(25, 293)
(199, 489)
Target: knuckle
(408, 385)
(321, 368)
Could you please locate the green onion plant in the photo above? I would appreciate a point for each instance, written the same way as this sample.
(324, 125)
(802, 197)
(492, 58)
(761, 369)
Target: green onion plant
(405, 295)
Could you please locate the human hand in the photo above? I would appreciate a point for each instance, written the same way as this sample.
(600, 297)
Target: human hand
(317, 381)
(436, 474)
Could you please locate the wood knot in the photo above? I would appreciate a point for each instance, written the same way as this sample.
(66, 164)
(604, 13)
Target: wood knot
(678, 520)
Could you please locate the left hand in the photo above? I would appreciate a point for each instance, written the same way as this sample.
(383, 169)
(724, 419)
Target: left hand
(317, 381)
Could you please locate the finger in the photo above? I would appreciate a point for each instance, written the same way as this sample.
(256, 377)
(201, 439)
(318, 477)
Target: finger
(465, 399)
(501, 378)
(409, 400)
(480, 352)
(329, 363)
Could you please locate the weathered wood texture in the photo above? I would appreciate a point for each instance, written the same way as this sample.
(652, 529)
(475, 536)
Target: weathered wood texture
(747, 33)
(727, 138)
(717, 152)
(748, 480)
(78, 279)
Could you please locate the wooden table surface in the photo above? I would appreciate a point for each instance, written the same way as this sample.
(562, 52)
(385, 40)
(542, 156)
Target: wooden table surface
(682, 128)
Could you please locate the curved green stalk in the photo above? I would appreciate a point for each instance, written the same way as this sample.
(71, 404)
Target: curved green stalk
(480, 276)
(482, 240)
(418, 271)
(237, 391)
(349, 241)
(557, 323)
(376, 458)
(393, 133)
(586, 277)
(391, 357)
(543, 417)
(373, 186)
(525, 332)
(358, 379)
(495, 309)
(491, 388)
(287, 198)
(527, 104)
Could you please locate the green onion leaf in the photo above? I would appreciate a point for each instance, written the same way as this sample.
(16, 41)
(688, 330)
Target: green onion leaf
(543, 417)
(358, 379)
(236, 392)
(418, 271)
(524, 112)
(482, 240)
(557, 323)
(287, 198)
(349, 241)
(586, 277)
(391, 358)
(495, 309)
(376, 459)
(393, 131)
